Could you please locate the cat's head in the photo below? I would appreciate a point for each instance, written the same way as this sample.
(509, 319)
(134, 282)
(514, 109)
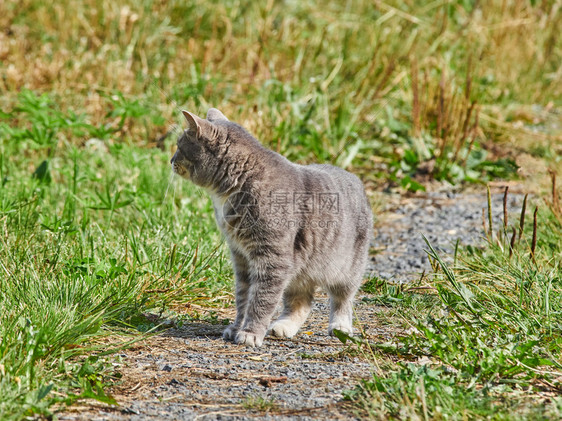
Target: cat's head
(201, 147)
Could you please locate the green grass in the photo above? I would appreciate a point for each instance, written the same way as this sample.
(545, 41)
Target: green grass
(483, 342)
(259, 403)
(92, 237)
(94, 231)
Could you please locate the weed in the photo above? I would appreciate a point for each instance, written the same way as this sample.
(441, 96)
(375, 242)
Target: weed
(489, 334)
(259, 403)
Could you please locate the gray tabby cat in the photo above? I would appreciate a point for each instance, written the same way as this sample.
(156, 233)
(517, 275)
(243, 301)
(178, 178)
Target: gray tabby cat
(290, 228)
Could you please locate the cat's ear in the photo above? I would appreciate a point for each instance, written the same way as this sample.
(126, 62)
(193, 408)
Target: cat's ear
(215, 115)
(194, 122)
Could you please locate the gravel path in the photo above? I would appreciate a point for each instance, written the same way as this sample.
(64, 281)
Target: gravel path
(191, 373)
(443, 218)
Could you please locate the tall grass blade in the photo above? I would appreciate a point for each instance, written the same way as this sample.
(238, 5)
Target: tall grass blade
(505, 208)
(490, 226)
(534, 241)
(522, 217)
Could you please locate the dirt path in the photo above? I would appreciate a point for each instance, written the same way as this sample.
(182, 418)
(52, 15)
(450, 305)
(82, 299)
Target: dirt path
(191, 373)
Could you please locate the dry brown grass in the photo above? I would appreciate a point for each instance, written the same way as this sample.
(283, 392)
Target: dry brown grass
(489, 73)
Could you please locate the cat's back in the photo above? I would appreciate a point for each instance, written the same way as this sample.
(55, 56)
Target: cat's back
(336, 195)
(334, 232)
(335, 173)
(337, 180)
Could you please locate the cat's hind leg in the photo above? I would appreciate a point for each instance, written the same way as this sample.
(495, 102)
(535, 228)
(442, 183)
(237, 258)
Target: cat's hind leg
(341, 307)
(297, 302)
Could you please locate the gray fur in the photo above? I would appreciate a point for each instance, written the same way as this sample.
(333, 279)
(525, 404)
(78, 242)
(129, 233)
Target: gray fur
(290, 228)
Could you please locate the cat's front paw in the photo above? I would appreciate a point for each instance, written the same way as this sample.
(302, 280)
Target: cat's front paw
(344, 327)
(229, 333)
(247, 338)
(284, 328)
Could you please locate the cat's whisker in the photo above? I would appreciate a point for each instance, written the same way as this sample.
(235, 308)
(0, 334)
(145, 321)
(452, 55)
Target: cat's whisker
(176, 187)
(199, 192)
(176, 128)
(170, 181)
(173, 102)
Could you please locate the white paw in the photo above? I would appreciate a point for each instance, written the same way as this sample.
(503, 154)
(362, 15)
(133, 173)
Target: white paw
(284, 328)
(229, 333)
(247, 338)
(343, 326)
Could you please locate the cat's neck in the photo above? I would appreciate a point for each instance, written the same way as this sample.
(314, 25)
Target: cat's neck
(256, 166)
